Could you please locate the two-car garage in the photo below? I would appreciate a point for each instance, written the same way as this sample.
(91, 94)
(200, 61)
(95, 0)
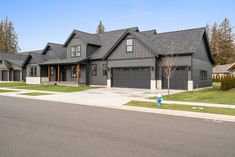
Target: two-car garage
(131, 77)
(140, 77)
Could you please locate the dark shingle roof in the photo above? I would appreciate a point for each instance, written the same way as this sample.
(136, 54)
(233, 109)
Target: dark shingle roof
(184, 41)
(149, 33)
(59, 51)
(93, 39)
(14, 58)
(63, 61)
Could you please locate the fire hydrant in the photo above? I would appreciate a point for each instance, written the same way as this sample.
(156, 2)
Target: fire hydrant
(159, 100)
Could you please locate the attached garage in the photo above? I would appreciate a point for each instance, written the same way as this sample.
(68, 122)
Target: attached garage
(16, 76)
(4, 75)
(133, 77)
(179, 80)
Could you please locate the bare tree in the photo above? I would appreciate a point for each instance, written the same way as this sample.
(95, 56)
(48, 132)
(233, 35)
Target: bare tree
(168, 66)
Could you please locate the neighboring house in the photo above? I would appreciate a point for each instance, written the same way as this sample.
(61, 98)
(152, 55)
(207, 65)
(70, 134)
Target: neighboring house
(222, 70)
(12, 67)
(125, 58)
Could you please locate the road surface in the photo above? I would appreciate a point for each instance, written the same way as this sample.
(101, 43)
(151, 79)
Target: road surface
(33, 128)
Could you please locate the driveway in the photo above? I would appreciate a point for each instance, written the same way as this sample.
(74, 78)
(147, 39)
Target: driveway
(108, 97)
(105, 96)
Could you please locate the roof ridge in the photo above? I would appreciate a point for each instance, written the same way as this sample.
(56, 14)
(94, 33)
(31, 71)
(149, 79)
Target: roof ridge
(54, 43)
(83, 32)
(183, 30)
(148, 30)
(119, 30)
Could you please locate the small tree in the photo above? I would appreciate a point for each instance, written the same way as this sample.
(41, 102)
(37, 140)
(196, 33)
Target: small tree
(100, 28)
(168, 66)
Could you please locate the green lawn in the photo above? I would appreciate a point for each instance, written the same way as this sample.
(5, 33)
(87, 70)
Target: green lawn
(215, 110)
(35, 94)
(12, 84)
(54, 88)
(5, 90)
(213, 95)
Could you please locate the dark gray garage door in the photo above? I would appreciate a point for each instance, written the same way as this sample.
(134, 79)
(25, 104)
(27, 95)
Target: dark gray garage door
(16, 75)
(179, 79)
(4, 75)
(131, 77)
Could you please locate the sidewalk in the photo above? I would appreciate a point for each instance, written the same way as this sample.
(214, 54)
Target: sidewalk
(190, 103)
(207, 116)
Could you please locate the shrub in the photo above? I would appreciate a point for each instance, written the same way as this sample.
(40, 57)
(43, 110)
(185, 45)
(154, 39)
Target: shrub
(227, 82)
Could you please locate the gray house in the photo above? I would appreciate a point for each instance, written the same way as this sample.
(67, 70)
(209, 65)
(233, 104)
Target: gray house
(127, 58)
(12, 67)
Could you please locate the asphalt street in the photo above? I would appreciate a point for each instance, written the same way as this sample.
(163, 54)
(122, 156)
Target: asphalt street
(34, 128)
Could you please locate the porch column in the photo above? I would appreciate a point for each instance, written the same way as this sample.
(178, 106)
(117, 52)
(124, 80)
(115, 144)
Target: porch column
(58, 73)
(78, 73)
(49, 72)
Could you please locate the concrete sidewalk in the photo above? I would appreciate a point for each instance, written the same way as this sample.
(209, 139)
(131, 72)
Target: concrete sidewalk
(191, 103)
(208, 116)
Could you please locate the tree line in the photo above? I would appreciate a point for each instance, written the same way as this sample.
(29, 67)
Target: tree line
(221, 37)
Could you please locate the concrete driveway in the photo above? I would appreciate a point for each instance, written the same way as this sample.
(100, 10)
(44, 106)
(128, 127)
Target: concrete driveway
(105, 96)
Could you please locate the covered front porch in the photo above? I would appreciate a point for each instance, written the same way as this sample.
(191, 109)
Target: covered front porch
(63, 74)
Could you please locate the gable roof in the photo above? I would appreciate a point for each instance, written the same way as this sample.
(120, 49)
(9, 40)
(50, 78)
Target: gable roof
(108, 40)
(58, 49)
(93, 39)
(180, 42)
(17, 59)
(184, 41)
(223, 69)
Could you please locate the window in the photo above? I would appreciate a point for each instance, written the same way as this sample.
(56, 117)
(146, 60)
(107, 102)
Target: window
(76, 51)
(129, 45)
(73, 71)
(203, 75)
(52, 70)
(0, 61)
(33, 71)
(104, 69)
(94, 69)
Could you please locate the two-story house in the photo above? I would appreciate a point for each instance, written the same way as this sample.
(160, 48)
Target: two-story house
(127, 58)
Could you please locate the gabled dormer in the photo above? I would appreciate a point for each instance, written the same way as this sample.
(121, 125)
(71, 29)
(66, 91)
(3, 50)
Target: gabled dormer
(81, 45)
(54, 51)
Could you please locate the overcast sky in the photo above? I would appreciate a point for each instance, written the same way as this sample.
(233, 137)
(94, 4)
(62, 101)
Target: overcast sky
(40, 21)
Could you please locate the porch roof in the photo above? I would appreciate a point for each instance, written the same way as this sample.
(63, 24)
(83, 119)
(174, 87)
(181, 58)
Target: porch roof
(63, 61)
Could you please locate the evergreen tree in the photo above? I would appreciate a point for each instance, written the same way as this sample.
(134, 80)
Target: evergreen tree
(100, 28)
(222, 42)
(8, 37)
(226, 52)
(214, 41)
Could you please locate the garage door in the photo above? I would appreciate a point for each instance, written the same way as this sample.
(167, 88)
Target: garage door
(16, 75)
(4, 75)
(131, 77)
(179, 79)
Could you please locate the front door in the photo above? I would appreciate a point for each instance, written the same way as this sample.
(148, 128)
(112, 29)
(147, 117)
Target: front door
(63, 73)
